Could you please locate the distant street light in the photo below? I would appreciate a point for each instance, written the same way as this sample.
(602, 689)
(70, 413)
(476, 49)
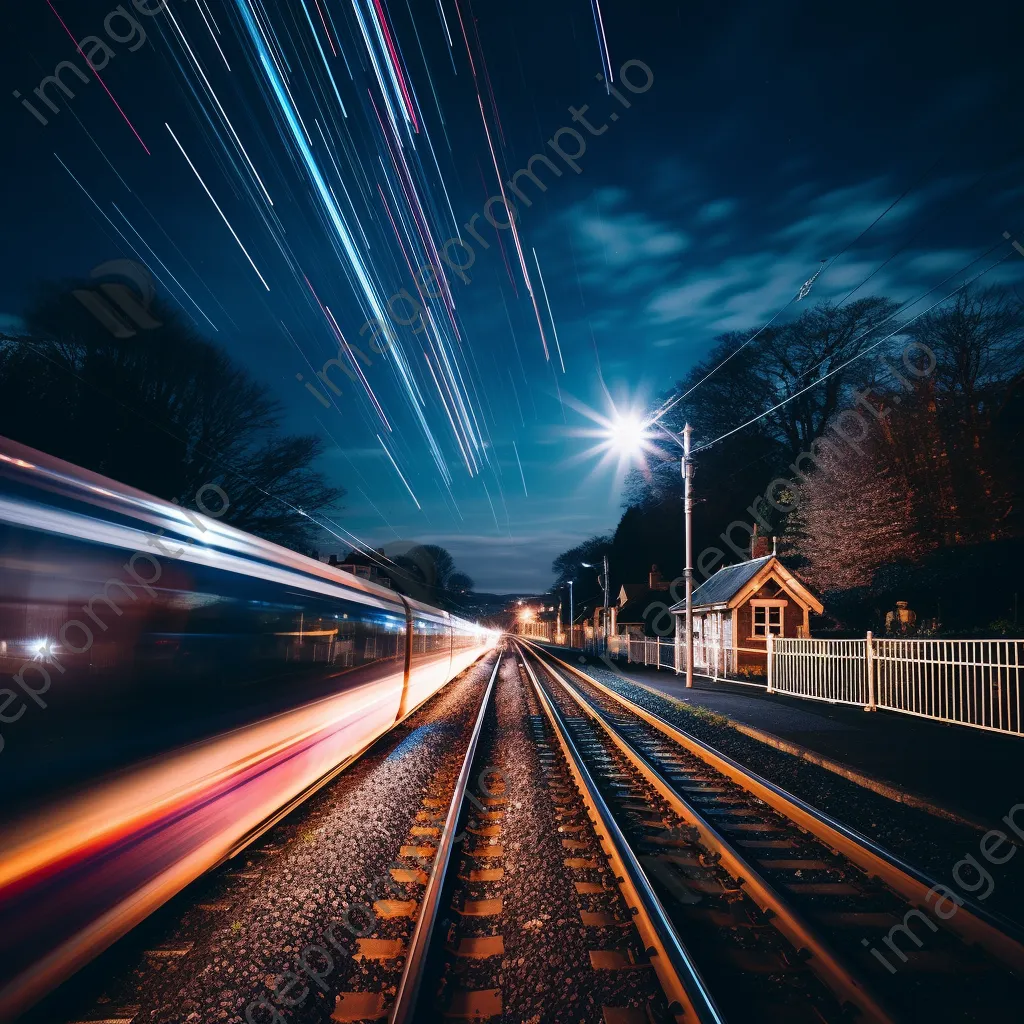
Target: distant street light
(570, 613)
(603, 581)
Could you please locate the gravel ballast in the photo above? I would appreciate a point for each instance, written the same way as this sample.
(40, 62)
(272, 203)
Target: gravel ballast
(932, 845)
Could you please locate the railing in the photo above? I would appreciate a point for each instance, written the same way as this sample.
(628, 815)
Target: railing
(715, 660)
(536, 630)
(977, 683)
(967, 682)
(964, 682)
(649, 651)
(832, 670)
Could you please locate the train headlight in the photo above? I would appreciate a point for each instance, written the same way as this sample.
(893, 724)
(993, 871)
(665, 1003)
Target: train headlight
(42, 649)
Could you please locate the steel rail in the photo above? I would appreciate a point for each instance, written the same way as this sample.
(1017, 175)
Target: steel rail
(687, 992)
(328, 777)
(405, 1007)
(971, 923)
(828, 965)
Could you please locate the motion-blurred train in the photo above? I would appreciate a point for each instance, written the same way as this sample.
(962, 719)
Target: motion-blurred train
(169, 686)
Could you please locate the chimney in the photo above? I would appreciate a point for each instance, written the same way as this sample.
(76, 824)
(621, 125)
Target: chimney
(654, 580)
(758, 545)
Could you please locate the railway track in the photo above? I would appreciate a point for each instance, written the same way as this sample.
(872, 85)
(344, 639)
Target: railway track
(535, 907)
(882, 938)
(219, 950)
(566, 855)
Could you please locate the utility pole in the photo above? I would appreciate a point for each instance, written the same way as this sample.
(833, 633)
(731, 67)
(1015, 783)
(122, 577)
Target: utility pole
(571, 616)
(687, 468)
(607, 610)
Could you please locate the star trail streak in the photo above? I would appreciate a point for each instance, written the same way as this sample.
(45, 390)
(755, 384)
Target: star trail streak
(303, 125)
(98, 78)
(234, 234)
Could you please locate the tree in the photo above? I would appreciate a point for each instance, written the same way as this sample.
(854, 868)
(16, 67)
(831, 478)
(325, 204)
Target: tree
(427, 572)
(760, 369)
(164, 411)
(854, 517)
(566, 566)
(941, 471)
(957, 445)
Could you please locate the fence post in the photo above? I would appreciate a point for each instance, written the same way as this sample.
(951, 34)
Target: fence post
(869, 665)
(770, 649)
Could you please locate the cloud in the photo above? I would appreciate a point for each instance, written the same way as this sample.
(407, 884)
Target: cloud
(612, 236)
(716, 210)
(746, 288)
(834, 219)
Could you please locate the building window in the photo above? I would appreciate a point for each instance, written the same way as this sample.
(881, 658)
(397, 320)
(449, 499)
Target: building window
(767, 618)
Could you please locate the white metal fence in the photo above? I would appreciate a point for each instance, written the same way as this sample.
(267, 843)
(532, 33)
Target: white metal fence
(969, 682)
(964, 682)
(645, 650)
(977, 683)
(711, 657)
(832, 670)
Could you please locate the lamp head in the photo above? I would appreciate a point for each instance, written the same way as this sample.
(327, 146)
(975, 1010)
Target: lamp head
(628, 435)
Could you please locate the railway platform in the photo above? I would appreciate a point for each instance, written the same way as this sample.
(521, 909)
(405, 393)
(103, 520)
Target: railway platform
(973, 774)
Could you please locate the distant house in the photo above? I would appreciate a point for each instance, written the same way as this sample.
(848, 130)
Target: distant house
(364, 566)
(640, 610)
(736, 609)
(535, 618)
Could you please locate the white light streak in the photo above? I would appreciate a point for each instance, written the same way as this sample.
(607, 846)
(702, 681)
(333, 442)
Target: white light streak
(399, 472)
(214, 201)
(551, 316)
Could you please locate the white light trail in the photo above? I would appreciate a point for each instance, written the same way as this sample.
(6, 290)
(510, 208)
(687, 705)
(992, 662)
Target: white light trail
(399, 472)
(551, 316)
(164, 265)
(219, 210)
(522, 475)
(223, 113)
(202, 11)
(606, 59)
(323, 56)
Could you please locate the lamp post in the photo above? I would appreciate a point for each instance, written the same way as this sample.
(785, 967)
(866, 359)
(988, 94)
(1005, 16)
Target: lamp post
(603, 581)
(630, 435)
(607, 606)
(687, 468)
(571, 616)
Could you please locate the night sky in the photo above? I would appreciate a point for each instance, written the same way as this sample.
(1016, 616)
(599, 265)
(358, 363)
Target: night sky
(771, 137)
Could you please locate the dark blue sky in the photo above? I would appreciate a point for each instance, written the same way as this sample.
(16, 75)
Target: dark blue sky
(771, 137)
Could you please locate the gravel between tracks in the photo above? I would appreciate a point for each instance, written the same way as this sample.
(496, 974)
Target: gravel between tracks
(545, 974)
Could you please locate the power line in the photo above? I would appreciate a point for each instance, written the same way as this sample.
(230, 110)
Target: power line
(902, 307)
(796, 298)
(825, 376)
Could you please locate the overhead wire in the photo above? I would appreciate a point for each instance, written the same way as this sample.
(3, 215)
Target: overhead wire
(863, 352)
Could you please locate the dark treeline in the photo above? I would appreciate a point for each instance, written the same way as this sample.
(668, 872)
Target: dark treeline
(163, 410)
(427, 572)
(138, 395)
(922, 500)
